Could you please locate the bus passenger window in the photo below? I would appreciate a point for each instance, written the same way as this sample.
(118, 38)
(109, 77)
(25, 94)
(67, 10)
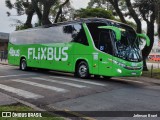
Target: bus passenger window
(105, 44)
(79, 35)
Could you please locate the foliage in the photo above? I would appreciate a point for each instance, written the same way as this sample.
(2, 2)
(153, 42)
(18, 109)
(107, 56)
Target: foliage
(100, 4)
(21, 27)
(19, 5)
(146, 8)
(130, 23)
(23, 7)
(40, 7)
(62, 12)
(116, 6)
(93, 12)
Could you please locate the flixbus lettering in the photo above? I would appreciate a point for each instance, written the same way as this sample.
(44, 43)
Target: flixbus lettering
(48, 53)
(13, 52)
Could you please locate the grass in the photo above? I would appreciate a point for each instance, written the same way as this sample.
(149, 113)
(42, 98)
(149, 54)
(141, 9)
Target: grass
(155, 73)
(17, 107)
(153, 61)
(22, 108)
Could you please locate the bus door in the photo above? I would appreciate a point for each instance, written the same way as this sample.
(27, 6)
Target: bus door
(105, 57)
(62, 57)
(33, 59)
(66, 57)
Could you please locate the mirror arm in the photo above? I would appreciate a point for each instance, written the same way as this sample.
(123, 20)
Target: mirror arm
(144, 36)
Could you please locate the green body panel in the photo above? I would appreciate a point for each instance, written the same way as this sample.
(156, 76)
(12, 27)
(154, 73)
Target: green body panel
(64, 56)
(125, 72)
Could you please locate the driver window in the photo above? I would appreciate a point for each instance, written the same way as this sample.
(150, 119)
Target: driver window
(105, 44)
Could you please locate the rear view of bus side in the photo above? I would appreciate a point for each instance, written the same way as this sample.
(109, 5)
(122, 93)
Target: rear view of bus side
(88, 46)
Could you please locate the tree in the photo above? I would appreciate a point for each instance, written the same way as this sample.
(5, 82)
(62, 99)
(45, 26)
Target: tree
(41, 7)
(47, 4)
(147, 10)
(100, 4)
(134, 15)
(158, 19)
(109, 5)
(94, 12)
(44, 14)
(138, 10)
(22, 7)
(61, 11)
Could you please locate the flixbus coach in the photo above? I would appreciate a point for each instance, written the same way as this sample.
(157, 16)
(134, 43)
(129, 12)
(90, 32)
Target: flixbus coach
(92, 46)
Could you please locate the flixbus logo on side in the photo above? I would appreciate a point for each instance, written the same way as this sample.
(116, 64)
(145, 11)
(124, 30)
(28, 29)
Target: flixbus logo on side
(49, 53)
(13, 52)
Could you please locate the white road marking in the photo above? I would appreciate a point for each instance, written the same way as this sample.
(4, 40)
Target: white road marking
(20, 92)
(82, 81)
(15, 75)
(41, 85)
(60, 82)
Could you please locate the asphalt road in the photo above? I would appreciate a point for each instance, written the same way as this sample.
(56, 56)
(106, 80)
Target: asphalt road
(53, 90)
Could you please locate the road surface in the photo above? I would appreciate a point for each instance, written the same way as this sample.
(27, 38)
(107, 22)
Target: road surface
(54, 90)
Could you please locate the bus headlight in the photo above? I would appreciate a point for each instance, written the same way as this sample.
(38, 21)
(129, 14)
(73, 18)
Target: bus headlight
(127, 67)
(118, 63)
(119, 70)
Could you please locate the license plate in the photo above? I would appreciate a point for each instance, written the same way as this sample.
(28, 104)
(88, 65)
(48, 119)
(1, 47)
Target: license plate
(134, 73)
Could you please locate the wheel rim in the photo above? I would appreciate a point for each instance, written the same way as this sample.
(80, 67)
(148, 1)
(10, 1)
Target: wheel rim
(23, 65)
(82, 70)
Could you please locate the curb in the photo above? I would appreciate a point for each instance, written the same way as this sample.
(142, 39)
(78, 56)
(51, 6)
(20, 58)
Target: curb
(28, 104)
(67, 111)
(3, 63)
(142, 80)
(55, 109)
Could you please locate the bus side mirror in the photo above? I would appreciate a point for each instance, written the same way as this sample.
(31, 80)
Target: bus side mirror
(144, 36)
(113, 28)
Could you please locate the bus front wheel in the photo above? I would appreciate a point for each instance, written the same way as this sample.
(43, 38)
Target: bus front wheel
(82, 70)
(23, 65)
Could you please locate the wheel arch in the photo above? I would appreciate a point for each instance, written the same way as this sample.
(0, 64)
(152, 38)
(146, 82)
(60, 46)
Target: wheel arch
(22, 57)
(82, 59)
(20, 67)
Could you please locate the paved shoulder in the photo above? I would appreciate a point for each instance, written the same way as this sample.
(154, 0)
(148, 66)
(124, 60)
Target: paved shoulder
(6, 100)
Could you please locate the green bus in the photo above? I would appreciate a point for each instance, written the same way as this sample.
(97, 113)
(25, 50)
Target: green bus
(90, 46)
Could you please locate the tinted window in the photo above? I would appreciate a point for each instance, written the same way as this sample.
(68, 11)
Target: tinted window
(58, 34)
(79, 35)
(105, 43)
(95, 31)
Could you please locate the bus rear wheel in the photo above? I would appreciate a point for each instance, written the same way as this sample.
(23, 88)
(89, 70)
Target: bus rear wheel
(82, 70)
(23, 65)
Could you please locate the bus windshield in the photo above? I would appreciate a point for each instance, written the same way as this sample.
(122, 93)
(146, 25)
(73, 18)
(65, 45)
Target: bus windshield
(128, 47)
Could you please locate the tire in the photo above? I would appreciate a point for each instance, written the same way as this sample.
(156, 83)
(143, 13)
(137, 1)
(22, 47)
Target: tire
(23, 65)
(107, 77)
(82, 70)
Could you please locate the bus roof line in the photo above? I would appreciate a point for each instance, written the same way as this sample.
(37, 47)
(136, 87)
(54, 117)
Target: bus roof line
(81, 20)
